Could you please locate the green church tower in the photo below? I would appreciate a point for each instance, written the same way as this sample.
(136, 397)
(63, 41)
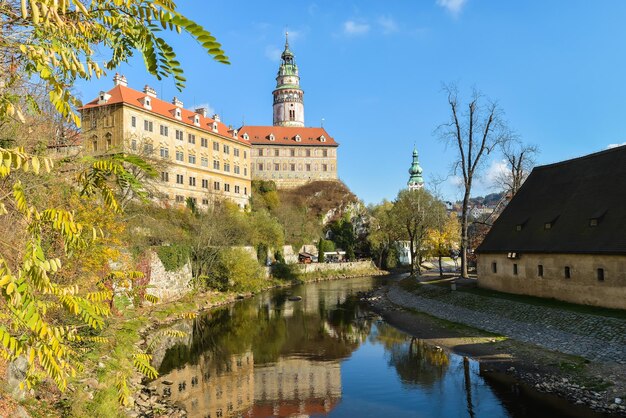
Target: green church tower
(415, 180)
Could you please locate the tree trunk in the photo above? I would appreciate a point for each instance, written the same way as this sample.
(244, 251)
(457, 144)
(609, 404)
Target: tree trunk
(412, 251)
(440, 268)
(464, 227)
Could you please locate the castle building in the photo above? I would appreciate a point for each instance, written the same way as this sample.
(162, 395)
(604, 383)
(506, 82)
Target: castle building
(288, 152)
(416, 181)
(198, 157)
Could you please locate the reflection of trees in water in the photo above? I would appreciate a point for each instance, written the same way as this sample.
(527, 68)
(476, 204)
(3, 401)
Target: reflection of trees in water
(415, 362)
(331, 332)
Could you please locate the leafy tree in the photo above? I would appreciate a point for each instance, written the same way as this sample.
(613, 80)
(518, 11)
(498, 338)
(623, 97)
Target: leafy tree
(444, 237)
(383, 232)
(323, 246)
(342, 234)
(415, 212)
(474, 133)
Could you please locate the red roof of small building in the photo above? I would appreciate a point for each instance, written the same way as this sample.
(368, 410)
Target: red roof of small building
(286, 135)
(126, 95)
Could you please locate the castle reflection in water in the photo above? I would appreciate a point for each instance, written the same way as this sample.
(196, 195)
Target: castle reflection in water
(282, 359)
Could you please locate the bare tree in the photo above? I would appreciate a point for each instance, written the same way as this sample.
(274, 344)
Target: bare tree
(474, 131)
(520, 160)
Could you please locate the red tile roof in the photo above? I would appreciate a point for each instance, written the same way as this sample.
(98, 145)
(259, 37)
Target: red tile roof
(286, 135)
(126, 95)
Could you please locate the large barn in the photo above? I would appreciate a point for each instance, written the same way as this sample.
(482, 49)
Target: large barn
(563, 235)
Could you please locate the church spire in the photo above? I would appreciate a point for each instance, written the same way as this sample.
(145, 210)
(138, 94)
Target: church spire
(288, 97)
(415, 180)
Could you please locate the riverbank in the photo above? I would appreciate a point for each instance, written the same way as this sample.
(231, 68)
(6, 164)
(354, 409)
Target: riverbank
(595, 381)
(96, 393)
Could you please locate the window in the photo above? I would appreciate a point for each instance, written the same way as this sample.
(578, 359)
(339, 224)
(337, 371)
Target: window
(147, 125)
(324, 167)
(216, 185)
(165, 176)
(236, 169)
(95, 145)
(163, 130)
(540, 270)
(147, 149)
(547, 225)
(308, 167)
(245, 171)
(179, 179)
(567, 272)
(226, 149)
(515, 269)
(216, 165)
(205, 184)
(276, 167)
(237, 189)
(192, 181)
(204, 161)
(204, 143)
(133, 145)
(192, 159)
(191, 138)
(205, 201)
(276, 153)
(180, 156)
(165, 152)
(180, 199)
(216, 146)
(133, 121)
(227, 167)
(109, 141)
(236, 152)
(260, 152)
(245, 191)
(600, 274)
(179, 134)
(593, 222)
(226, 187)
(308, 153)
(325, 153)
(260, 167)
(494, 267)
(292, 114)
(292, 167)
(245, 155)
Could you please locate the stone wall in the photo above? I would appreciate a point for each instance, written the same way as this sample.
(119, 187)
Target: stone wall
(497, 272)
(168, 285)
(353, 265)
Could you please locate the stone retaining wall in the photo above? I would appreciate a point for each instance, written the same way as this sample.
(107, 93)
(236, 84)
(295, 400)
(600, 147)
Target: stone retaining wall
(168, 285)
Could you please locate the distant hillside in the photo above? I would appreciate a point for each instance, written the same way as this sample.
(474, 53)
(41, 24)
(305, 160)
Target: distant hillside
(488, 200)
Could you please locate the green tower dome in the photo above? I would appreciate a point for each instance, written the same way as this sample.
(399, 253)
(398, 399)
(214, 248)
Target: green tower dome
(416, 181)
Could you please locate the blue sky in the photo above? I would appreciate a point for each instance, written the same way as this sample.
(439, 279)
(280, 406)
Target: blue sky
(373, 71)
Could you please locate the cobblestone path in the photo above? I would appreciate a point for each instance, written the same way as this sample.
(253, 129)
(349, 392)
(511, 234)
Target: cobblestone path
(589, 336)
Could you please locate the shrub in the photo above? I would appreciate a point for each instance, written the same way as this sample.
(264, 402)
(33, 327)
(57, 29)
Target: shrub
(173, 256)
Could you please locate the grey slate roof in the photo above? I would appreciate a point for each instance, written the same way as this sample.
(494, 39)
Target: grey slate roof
(568, 195)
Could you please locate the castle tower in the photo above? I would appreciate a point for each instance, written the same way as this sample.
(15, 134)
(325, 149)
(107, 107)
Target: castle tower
(415, 180)
(288, 96)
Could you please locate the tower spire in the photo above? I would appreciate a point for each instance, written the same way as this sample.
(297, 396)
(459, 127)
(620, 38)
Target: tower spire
(416, 181)
(288, 96)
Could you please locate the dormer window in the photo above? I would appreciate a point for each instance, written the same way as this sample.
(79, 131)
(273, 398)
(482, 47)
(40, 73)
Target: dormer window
(246, 137)
(272, 137)
(178, 114)
(298, 138)
(594, 222)
(147, 103)
(235, 133)
(214, 126)
(196, 120)
(547, 225)
(322, 138)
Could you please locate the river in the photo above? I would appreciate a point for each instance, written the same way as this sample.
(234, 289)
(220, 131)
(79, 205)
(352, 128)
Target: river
(328, 355)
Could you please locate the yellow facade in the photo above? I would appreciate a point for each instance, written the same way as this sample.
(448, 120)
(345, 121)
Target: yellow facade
(193, 162)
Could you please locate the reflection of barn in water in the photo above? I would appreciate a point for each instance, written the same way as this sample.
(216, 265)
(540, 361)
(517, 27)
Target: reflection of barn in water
(211, 388)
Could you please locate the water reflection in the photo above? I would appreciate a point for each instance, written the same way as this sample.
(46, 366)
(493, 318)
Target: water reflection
(325, 355)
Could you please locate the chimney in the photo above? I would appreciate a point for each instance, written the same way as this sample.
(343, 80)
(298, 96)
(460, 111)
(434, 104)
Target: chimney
(176, 102)
(119, 80)
(216, 117)
(149, 91)
(201, 111)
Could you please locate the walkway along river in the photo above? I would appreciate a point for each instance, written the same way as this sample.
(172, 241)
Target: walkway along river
(329, 355)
